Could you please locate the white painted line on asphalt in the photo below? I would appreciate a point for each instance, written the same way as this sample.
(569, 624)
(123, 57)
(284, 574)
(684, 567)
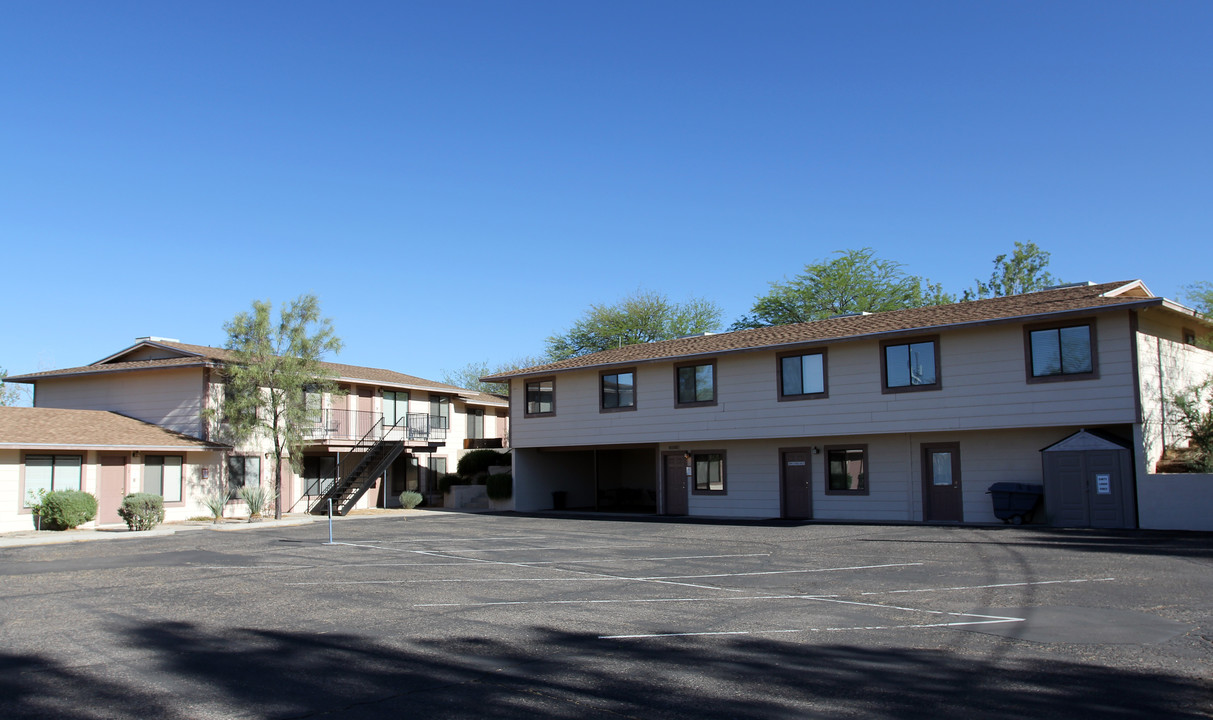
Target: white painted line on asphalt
(611, 560)
(460, 580)
(469, 539)
(986, 587)
(780, 572)
(584, 601)
(809, 630)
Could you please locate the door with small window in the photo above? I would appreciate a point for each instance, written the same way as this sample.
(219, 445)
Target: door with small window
(942, 494)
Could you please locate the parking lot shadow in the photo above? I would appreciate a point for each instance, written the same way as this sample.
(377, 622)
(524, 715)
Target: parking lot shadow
(180, 670)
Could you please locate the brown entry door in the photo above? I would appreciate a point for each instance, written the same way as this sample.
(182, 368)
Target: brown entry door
(796, 484)
(942, 499)
(111, 486)
(675, 482)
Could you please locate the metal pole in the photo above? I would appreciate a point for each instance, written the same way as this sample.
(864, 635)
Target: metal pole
(330, 521)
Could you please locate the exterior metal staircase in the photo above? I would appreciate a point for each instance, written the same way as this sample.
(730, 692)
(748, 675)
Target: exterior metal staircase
(358, 470)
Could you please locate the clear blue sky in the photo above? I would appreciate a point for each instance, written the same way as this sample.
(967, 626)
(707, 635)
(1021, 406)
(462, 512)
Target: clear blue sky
(458, 180)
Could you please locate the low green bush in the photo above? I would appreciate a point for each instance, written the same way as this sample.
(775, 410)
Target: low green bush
(410, 499)
(446, 481)
(65, 509)
(500, 486)
(479, 461)
(142, 511)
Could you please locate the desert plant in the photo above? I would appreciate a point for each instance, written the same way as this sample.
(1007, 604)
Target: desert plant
(479, 461)
(258, 498)
(216, 503)
(410, 499)
(142, 511)
(64, 509)
(499, 486)
(1196, 415)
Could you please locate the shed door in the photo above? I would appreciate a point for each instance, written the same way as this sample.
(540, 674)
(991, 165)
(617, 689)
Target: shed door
(943, 499)
(675, 494)
(1088, 489)
(797, 487)
(1069, 481)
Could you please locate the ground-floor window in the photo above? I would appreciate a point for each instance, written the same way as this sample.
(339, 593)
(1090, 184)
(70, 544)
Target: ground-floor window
(709, 472)
(847, 470)
(51, 472)
(319, 472)
(243, 470)
(162, 476)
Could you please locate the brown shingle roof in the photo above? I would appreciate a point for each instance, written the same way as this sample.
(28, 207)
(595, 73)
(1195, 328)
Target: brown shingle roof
(200, 355)
(1082, 298)
(34, 427)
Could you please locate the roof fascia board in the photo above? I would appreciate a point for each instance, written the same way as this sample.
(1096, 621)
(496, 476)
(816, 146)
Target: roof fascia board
(126, 446)
(1143, 302)
(102, 370)
(147, 343)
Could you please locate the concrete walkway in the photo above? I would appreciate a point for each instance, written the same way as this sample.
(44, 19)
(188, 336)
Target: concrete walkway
(119, 531)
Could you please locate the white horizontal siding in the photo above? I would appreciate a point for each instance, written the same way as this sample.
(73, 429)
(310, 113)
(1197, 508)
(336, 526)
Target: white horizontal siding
(170, 398)
(983, 386)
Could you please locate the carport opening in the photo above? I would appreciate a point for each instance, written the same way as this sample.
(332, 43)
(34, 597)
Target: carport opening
(626, 480)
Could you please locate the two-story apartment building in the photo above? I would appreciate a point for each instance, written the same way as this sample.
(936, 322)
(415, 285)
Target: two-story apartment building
(171, 385)
(899, 416)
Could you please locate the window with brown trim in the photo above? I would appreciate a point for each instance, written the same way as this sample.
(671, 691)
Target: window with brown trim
(695, 384)
(48, 473)
(802, 374)
(846, 469)
(707, 473)
(910, 365)
(1061, 351)
(541, 397)
(617, 390)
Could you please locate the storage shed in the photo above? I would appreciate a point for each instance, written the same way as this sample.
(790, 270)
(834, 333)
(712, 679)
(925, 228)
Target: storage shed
(1089, 482)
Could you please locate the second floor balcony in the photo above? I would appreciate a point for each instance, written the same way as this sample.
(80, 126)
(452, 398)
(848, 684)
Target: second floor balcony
(345, 426)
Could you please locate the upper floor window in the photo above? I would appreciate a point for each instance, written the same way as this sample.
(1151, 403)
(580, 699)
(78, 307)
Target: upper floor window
(49, 473)
(802, 375)
(1061, 352)
(395, 407)
(162, 476)
(541, 397)
(696, 383)
(1189, 336)
(475, 422)
(910, 366)
(440, 412)
(617, 390)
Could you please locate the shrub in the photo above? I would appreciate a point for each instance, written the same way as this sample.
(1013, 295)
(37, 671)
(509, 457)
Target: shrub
(410, 499)
(142, 511)
(446, 481)
(216, 502)
(258, 499)
(65, 509)
(1196, 415)
(500, 486)
(479, 461)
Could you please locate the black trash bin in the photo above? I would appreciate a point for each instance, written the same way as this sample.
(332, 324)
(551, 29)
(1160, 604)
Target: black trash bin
(1014, 502)
(560, 500)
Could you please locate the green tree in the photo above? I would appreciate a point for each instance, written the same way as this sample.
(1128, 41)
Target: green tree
(1200, 295)
(1022, 272)
(469, 375)
(853, 281)
(643, 316)
(9, 394)
(272, 368)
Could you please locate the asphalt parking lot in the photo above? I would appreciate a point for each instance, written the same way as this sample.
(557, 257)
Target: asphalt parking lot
(503, 616)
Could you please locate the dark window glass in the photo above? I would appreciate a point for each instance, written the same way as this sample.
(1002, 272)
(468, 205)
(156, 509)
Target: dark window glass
(803, 374)
(912, 364)
(540, 397)
(846, 470)
(695, 384)
(618, 390)
(243, 470)
(1061, 351)
(475, 418)
(709, 472)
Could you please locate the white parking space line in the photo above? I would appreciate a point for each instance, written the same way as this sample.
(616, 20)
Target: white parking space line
(987, 587)
(780, 572)
(624, 601)
(613, 560)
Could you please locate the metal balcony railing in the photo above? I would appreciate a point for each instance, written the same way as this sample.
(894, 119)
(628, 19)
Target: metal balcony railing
(337, 424)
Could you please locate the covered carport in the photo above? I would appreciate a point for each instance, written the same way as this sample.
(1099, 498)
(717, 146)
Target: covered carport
(606, 479)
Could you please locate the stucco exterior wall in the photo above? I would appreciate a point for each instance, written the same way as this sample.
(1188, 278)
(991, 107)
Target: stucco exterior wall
(1167, 367)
